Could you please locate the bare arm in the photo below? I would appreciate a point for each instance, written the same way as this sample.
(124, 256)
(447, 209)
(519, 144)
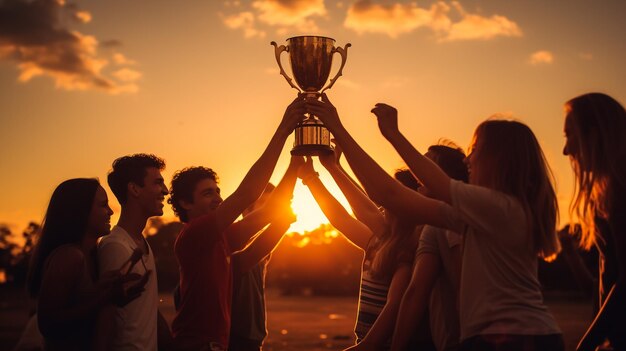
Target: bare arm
(380, 186)
(259, 174)
(424, 169)
(264, 243)
(358, 233)
(365, 210)
(272, 211)
(382, 330)
(415, 300)
(248, 226)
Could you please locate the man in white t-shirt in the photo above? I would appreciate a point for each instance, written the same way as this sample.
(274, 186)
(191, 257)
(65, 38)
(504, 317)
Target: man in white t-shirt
(138, 185)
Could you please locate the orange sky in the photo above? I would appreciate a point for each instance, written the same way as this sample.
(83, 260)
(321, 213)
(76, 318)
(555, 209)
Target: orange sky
(196, 83)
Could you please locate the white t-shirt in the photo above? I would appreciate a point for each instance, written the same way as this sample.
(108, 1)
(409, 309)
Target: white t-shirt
(500, 291)
(135, 323)
(444, 315)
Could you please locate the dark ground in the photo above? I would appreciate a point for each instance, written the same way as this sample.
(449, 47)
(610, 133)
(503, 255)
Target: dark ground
(305, 323)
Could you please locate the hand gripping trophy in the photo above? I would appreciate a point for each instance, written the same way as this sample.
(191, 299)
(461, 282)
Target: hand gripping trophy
(311, 59)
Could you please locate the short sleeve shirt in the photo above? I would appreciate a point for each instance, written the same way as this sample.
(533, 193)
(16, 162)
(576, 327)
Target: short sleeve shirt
(500, 291)
(136, 323)
(203, 254)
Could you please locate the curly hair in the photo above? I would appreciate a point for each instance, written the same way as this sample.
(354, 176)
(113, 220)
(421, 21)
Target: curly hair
(183, 185)
(131, 169)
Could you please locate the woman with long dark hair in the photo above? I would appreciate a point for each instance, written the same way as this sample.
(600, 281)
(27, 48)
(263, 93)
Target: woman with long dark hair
(595, 132)
(63, 275)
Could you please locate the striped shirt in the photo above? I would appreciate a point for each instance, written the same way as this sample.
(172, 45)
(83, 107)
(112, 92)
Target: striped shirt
(372, 300)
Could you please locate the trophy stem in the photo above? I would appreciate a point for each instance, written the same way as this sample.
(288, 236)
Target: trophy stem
(311, 138)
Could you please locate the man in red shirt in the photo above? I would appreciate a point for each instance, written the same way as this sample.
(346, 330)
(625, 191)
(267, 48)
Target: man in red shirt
(210, 236)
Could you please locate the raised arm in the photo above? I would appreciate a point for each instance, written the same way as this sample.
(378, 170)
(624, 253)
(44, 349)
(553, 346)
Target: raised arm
(424, 169)
(358, 233)
(279, 212)
(262, 245)
(415, 300)
(380, 186)
(365, 210)
(259, 174)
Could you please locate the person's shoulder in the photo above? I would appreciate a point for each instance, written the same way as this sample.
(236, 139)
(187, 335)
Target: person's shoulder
(66, 256)
(203, 228)
(428, 239)
(476, 197)
(205, 222)
(118, 236)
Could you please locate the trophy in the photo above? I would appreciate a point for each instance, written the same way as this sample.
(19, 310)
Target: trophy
(311, 58)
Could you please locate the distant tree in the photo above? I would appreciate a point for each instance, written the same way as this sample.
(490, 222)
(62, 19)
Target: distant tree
(319, 262)
(161, 237)
(14, 259)
(6, 251)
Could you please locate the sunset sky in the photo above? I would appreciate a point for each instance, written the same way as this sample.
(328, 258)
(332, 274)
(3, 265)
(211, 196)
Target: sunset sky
(196, 82)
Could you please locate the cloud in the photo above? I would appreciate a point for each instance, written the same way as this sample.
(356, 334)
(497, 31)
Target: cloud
(476, 27)
(245, 21)
(280, 15)
(395, 83)
(127, 75)
(587, 56)
(394, 19)
(366, 16)
(542, 57)
(82, 16)
(32, 36)
(111, 43)
(350, 84)
(120, 59)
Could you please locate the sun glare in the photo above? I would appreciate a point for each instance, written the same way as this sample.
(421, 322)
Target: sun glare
(309, 214)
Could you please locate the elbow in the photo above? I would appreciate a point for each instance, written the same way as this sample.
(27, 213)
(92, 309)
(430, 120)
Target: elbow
(383, 196)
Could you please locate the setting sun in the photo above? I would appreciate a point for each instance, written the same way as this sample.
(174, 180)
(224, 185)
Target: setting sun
(308, 213)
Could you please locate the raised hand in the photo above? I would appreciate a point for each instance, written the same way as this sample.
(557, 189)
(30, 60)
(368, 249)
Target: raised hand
(130, 287)
(293, 114)
(331, 160)
(306, 169)
(120, 288)
(387, 117)
(325, 111)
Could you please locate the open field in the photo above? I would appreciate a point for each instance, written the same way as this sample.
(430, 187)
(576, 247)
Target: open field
(306, 323)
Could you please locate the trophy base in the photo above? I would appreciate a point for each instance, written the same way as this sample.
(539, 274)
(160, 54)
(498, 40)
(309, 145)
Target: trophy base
(311, 150)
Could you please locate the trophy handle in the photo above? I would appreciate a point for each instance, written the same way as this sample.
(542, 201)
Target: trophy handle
(277, 51)
(344, 56)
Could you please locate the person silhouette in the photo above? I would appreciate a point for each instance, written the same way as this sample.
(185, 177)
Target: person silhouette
(63, 275)
(507, 214)
(595, 132)
(139, 187)
(205, 246)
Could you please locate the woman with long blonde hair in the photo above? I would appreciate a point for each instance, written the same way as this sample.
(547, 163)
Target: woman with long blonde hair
(507, 214)
(595, 132)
